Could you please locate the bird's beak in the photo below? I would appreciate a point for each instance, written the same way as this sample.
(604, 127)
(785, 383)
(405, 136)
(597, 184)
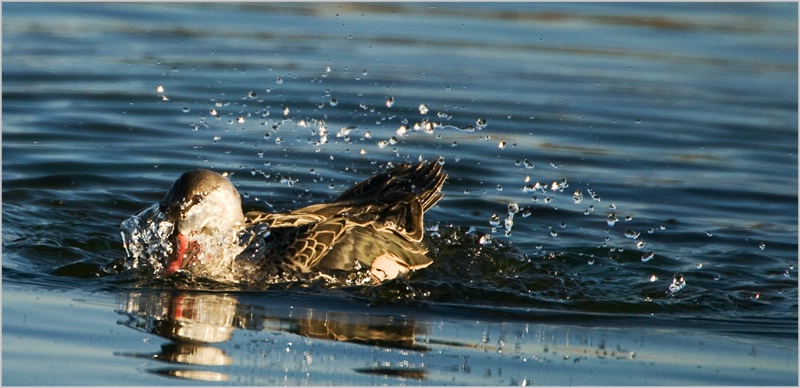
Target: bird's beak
(183, 253)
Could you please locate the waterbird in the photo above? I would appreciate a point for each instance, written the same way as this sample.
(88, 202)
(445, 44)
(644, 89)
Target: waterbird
(376, 224)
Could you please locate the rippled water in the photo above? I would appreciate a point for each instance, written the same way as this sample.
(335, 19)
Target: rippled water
(621, 205)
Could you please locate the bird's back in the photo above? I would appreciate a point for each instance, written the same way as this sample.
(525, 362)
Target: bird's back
(376, 222)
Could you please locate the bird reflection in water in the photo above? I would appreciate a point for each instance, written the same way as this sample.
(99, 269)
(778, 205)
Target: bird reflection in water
(196, 324)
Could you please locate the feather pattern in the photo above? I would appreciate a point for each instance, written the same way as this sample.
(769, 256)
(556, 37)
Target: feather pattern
(381, 217)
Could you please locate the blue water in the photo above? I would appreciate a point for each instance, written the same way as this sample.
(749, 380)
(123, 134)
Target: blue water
(680, 119)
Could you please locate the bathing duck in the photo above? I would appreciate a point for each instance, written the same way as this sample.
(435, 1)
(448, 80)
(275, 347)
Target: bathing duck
(375, 225)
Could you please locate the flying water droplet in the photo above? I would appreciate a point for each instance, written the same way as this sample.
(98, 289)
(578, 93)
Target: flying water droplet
(528, 164)
(577, 196)
(631, 234)
(513, 208)
(678, 283)
(485, 239)
(612, 219)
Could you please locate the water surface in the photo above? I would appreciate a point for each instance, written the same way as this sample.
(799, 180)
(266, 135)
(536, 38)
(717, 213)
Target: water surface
(675, 124)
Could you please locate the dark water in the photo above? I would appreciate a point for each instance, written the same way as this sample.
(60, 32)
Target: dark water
(680, 119)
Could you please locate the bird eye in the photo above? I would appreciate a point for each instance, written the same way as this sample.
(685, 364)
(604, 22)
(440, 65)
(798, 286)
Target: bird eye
(197, 198)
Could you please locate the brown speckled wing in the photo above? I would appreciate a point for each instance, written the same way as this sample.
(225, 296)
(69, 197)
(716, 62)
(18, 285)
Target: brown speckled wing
(381, 215)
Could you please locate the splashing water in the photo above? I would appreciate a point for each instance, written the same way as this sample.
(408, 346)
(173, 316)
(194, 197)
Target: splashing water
(145, 237)
(678, 283)
(225, 257)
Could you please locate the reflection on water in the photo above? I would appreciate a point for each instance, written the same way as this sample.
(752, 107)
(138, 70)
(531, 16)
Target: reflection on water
(197, 323)
(248, 339)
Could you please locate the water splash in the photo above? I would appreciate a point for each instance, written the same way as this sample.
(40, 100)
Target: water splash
(678, 283)
(145, 237)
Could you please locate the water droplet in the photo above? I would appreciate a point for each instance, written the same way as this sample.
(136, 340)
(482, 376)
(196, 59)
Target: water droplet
(631, 234)
(423, 109)
(526, 212)
(240, 120)
(485, 239)
(591, 262)
(528, 164)
(481, 124)
(653, 278)
(402, 130)
(389, 102)
(186, 109)
(499, 188)
(647, 257)
(501, 145)
(553, 233)
(286, 111)
(333, 102)
(213, 112)
(678, 283)
(577, 196)
(508, 223)
(709, 234)
(762, 245)
(513, 208)
(699, 265)
(612, 219)
(494, 220)
(279, 80)
(160, 89)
